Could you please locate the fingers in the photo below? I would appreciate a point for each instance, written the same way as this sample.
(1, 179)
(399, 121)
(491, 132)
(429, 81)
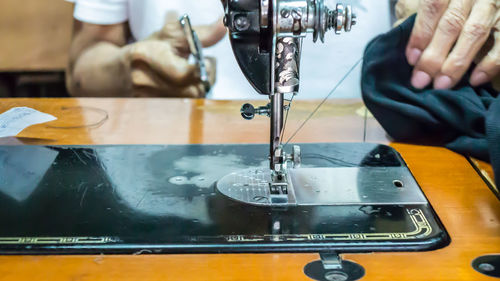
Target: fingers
(429, 13)
(160, 58)
(446, 34)
(173, 33)
(489, 67)
(156, 80)
(463, 28)
(157, 57)
(179, 71)
(141, 76)
(474, 34)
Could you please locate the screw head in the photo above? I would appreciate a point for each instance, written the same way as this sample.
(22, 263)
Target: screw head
(487, 267)
(285, 13)
(336, 276)
(247, 111)
(241, 23)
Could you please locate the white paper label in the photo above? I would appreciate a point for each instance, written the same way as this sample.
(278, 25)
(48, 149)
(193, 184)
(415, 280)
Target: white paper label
(16, 119)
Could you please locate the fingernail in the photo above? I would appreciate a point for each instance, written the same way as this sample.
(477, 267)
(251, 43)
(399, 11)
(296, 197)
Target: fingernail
(479, 78)
(413, 56)
(443, 82)
(420, 79)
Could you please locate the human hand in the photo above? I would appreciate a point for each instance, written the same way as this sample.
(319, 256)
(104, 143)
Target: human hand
(157, 70)
(159, 65)
(448, 36)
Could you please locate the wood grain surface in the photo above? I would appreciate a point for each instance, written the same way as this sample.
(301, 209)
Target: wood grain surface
(467, 208)
(35, 34)
(486, 171)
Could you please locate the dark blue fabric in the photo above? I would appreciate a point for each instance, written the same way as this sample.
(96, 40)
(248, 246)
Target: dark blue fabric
(464, 119)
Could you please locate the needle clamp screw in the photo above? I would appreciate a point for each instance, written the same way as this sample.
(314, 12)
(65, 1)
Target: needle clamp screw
(248, 111)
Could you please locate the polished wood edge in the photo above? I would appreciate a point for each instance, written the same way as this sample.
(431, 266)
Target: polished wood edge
(485, 171)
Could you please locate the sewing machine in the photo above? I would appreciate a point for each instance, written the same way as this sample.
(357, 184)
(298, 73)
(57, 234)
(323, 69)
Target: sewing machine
(330, 198)
(266, 37)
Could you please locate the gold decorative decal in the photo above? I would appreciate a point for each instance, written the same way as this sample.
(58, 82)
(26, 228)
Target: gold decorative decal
(422, 230)
(56, 240)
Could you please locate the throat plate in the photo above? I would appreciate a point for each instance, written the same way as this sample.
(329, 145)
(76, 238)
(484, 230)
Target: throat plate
(327, 186)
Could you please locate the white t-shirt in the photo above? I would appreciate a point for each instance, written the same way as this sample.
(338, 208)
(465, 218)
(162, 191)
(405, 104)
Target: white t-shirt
(322, 66)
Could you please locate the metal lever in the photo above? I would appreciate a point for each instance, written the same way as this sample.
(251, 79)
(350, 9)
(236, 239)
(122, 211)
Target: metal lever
(331, 261)
(333, 268)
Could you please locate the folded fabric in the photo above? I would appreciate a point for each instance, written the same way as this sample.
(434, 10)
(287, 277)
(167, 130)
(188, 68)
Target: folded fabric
(465, 119)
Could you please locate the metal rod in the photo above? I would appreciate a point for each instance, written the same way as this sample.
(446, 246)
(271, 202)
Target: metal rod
(276, 126)
(286, 80)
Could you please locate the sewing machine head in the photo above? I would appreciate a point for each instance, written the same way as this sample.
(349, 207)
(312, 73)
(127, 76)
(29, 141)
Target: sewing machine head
(262, 30)
(266, 36)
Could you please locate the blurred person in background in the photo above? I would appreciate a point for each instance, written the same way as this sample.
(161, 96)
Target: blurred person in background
(124, 48)
(137, 48)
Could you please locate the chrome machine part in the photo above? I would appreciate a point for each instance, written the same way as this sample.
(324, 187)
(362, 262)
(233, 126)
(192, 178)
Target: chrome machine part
(277, 158)
(331, 267)
(296, 18)
(368, 186)
(296, 157)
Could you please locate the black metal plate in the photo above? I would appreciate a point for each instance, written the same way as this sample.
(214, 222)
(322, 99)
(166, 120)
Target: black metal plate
(158, 199)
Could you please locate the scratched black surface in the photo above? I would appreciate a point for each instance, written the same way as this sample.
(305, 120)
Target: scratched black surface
(162, 199)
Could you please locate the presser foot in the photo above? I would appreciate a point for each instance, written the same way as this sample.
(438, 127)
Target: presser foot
(279, 184)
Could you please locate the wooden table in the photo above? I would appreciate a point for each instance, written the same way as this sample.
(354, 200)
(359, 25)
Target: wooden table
(467, 208)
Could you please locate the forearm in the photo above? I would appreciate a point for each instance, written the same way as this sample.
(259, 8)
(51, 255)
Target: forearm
(100, 70)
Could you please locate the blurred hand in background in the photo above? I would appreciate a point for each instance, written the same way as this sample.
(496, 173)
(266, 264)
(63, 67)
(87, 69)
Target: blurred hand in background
(103, 64)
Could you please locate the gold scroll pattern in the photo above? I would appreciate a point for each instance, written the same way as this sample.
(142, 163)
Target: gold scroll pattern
(422, 230)
(56, 240)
